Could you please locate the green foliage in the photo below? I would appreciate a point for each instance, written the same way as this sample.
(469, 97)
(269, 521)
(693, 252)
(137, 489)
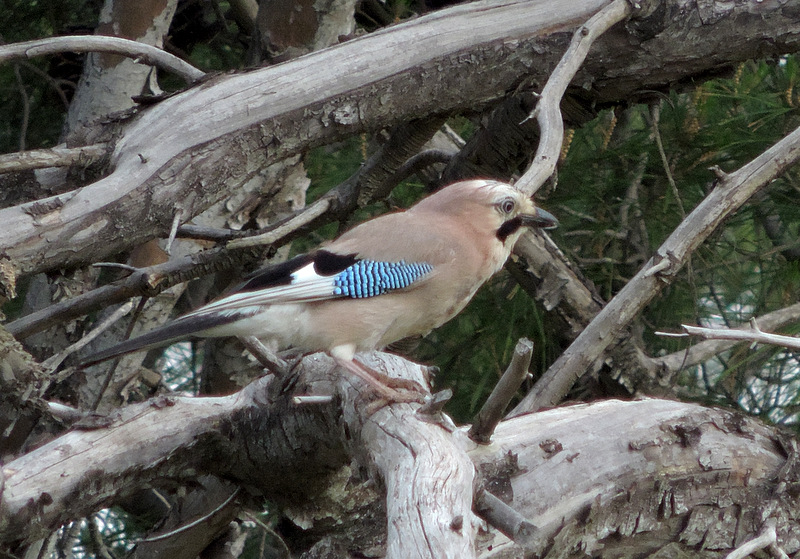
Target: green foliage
(617, 206)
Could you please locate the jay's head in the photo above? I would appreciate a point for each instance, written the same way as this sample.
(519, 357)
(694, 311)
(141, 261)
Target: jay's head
(502, 208)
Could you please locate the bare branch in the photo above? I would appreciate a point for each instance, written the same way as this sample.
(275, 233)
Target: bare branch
(141, 52)
(548, 109)
(725, 199)
(53, 157)
(303, 217)
(492, 411)
(705, 350)
(752, 334)
(506, 519)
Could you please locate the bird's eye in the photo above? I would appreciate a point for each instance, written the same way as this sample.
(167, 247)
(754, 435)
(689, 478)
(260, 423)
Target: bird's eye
(507, 206)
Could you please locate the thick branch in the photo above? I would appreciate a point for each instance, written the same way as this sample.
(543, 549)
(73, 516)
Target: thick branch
(54, 157)
(659, 271)
(190, 150)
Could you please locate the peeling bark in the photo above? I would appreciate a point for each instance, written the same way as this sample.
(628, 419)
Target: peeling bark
(592, 478)
(191, 148)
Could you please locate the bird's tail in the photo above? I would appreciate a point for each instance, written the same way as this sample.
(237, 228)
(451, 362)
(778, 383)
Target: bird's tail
(175, 331)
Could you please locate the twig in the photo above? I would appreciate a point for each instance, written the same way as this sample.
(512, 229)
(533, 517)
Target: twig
(26, 108)
(65, 413)
(109, 374)
(767, 537)
(506, 519)
(319, 399)
(703, 351)
(194, 523)
(492, 411)
(656, 268)
(725, 199)
(54, 157)
(753, 334)
(54, 83)
(419, 162)
(304, 217)
(655, 114)
(97, 43)
(173, 231)
(53, 362)
(265, 356)
(548, 109)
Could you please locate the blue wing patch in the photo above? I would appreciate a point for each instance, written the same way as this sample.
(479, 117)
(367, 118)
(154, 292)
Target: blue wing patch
(368, 278)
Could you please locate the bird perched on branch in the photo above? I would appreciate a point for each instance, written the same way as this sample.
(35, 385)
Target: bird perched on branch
(398, 275)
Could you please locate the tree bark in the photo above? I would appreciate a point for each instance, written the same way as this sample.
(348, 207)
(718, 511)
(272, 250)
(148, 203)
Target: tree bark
(190, 149)
(592, 478)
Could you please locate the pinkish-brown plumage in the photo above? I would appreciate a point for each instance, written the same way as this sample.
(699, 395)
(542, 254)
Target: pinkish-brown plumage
(463, 233)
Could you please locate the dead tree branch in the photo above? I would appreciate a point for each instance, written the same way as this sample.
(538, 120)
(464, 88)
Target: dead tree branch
(730, 193)
(141, 52)
(548, 109)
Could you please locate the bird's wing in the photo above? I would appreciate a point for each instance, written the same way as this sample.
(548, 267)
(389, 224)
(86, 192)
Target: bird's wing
(318, 276)
(175, 331)
(311, 277)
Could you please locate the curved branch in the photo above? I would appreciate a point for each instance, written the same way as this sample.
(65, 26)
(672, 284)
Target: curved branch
(548, 109)
(97, 43)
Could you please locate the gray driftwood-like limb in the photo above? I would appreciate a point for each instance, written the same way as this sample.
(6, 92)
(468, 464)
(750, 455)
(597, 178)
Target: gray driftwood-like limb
(428, 477)
(724, 199)
(703, 351)
(40, 488)
(506, 519)
(192, 149)
(609, 475)
(493, 409)
(599, 473)
(146, 54)
(751, 334)
(558, 286)
(53, 157)
(548, 109)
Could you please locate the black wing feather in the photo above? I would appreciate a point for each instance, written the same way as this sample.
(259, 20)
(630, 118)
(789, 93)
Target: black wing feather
(177, 330)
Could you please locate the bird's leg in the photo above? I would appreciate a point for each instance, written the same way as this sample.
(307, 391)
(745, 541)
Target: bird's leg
(384, 385)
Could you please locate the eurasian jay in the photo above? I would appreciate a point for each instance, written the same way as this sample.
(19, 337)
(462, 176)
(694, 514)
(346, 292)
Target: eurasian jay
(395, 276)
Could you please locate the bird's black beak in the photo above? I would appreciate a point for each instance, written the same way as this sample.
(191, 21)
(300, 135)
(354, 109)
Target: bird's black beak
(541, 219)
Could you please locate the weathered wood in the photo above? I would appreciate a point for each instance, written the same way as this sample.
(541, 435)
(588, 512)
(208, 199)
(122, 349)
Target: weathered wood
(188, 151)
(602, 474)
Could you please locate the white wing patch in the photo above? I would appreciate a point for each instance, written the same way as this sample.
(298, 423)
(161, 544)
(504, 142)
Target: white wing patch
(306, 285)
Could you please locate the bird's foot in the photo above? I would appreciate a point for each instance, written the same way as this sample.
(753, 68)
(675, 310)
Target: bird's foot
(389, 389)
